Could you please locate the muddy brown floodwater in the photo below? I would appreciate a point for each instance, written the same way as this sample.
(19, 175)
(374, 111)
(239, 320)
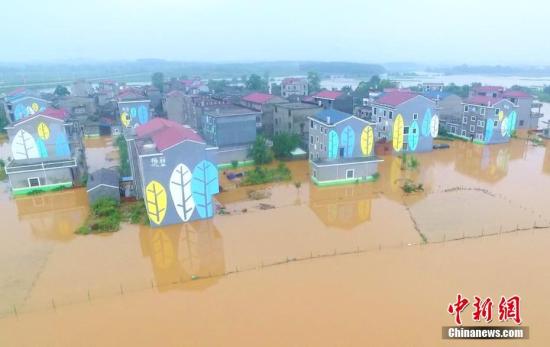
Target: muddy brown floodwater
(363, 264)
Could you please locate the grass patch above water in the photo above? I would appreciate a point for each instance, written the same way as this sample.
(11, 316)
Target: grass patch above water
(106, 214)
(261, 175)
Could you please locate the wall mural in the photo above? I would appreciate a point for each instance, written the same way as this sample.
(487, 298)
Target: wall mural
(204, 185)
(27, 145)
(426, 122)
(500, 116)
(434, 126)
(333, 144)
(134, 115)
(143, 114)
(42, 148)
(155, 200)
(180, 190)
(24, 146)
(125, 119)
(62, 146)
(512, 119)
(489, 130)
(367, 140)
(348, 141)
(43, 131)
(23, 110)
(414, 134)
(398, 133)
(504, 127)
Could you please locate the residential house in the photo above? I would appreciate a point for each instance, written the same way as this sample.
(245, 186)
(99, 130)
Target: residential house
(188, 109)
(230, 128)
(406, 120)
(264, 103)
(21, 103)
(293, 118)
(341, 148)
(447, 105)
(82, 88)
(294, 86)
(103, 183)
(486, 120)
(133, 109)
(528, 115)
(431, 87)
(46, 152)
(174, 171)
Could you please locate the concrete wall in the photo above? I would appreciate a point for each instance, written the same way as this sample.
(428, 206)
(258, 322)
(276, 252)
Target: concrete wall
(361, 170)
(229, 131)
(524, 114)
(293, 120)
(173, 106)
(103, 192)
(46, 177)
(226, 155)
(138, 113)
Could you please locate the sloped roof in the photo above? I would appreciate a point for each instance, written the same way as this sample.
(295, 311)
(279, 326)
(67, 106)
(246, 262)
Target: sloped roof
(331, 116)
(327, 94)
(482, 100)
(488, 88)
(175, 93)
(436, 95)
(395, 98)
(258, 98)
(520, 94)
(103, 176)
(58, 113)
(165, 133)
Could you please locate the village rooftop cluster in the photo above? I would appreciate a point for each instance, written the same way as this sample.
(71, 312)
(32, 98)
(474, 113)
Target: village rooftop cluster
(180, 137)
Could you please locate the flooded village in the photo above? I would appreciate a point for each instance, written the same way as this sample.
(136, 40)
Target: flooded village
(387, 202)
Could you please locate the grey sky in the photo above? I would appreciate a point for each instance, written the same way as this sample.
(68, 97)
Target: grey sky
(430, 31)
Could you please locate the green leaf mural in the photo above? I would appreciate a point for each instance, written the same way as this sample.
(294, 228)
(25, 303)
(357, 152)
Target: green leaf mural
(333, 144)
(348, 141)
(426, 122)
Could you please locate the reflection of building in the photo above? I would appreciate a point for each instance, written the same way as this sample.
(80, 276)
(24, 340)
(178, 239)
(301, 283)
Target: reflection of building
(546, 161)
(342, 207)
(54, 216)
(180, 253)
(488, 163)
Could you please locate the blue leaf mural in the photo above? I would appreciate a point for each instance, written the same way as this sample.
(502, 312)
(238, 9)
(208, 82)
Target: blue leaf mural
(133, 112)
(143, 114)
(489, 126)
(414, 134)
(348, 141)
(19, 112)
(62, 146)
(512, 119)
(332, 144)
(204, 184)
(42, 148)
(426, 122)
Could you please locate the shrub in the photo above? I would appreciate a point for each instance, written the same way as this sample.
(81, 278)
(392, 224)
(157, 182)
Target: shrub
(234, 163)
(284, 143)
(260, 151)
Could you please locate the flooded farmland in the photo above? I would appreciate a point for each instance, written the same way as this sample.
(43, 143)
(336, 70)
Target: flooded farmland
(289, 263)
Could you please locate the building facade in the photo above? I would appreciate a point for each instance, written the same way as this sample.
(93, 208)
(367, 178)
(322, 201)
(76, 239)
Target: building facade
(294, 86)
(133, 110)
(22, 103)
(293, 118)
(264, 103)
(46, 152)
(341, 148)
(174, 172)
(447, 105)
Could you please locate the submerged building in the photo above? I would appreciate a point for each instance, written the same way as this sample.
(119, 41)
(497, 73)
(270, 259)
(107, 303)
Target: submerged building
(47, 152)
(21, 103)
(174, 172)
(341, 148)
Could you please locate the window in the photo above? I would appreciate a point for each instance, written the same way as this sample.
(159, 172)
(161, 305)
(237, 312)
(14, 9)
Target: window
(480, 123)
(482, 111)
(391, 114)
(472, 128)
(414, 131)
(479, 136)
(384, 113)
(463, 132)
(289, 114)
(317, 139)
(495, 123)
(415, 116)
(497, 111)
(311, 139)
(350, 173)
(473, 118)
(405, 130)
(465, 108)
(311, 124)
(314, 173)
(33, 181)
(464, 120)
(374, 110)
(521, 123)
(379, 119)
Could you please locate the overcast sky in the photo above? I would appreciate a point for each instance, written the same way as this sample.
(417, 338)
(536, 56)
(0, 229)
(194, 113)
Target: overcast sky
(424, 31)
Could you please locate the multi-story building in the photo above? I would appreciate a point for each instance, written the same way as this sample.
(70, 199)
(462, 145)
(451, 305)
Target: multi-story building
(21, 103)
(447, 105)
(294, 86)
(265, 103)
(230, 128)
(46, 152)
(341, 148)
(431, 87)
(133, 109)
(486, 120)
(293, 118)
(406, 120)
(174, 171)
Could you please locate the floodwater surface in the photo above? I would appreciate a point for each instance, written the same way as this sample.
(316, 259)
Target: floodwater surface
(288, 263)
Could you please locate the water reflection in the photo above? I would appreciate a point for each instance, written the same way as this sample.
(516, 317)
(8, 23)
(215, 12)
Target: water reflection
(180, 253)
(54, 216)
(546, 160)
(100, 153)
(343, 207)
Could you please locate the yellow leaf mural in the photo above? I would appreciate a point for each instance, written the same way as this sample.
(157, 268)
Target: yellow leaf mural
(155, 198)
(125, 119)
(398, 133)
(500, 116)
(367, 140)
(35, 107)
(164, 254)
(43, 131)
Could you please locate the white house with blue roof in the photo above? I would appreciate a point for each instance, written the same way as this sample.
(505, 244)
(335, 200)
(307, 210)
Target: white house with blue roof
(341, 148)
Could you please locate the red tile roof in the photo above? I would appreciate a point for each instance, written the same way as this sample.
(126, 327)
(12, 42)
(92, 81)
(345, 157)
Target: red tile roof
(258, 98)
(327, 94)
(175, 93)
(395, 98)
(59, 113)
(516, 94)
(129, 94)
(488, 89)
(17, 91)
(482, 100)
(165, 133)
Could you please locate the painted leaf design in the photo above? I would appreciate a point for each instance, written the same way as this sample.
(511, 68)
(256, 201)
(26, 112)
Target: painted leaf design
(489, 130)
(19, 112)
(62, 146)
(180, 190)
(43, 131)
(434, 126)
(42, 148)
(414, 133)
(398, 133)
(204, 185)
(348, 141)
(143, 114)
(333, 144)
(512, 119)
(164, 254)
(500, 116)
(125, 119)
(24, 146)
(426, 122)
(367, 140)
(133, 112)
(155, 200)
(504, 127)
(35, 107)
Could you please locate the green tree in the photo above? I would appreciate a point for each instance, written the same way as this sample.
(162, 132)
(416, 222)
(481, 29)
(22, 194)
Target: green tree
(284, 143)
(157, 80)
(275, 89)
(347, 89)
(3, 120)
(217, 86)
(255, 82)
(313, 82)
(61, 90)
(260, 151)
(462, 91)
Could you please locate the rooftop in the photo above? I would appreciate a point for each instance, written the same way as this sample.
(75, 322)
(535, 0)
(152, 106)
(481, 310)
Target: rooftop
(58, 113)
(258, 98)
(520, 94)
(331, 116)
(327, 94)
(164, 133)
(482, 100)
(394, 98)
(103, 176)
(228, 110)
(436, 95)
(489, 89)
(293, 80)
(297, 105)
